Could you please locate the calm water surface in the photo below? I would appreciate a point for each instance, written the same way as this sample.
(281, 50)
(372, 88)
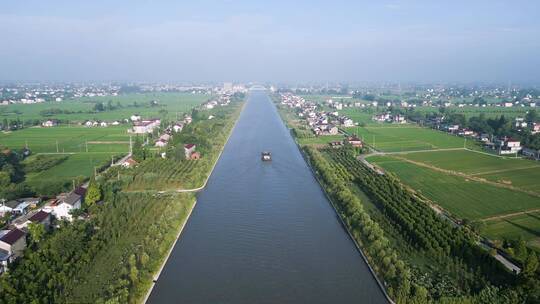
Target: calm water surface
(264, 232)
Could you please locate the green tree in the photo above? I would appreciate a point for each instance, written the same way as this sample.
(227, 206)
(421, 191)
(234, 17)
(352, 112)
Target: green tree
(530, 265)
(93, 194)
(37, 232)
(532, 116)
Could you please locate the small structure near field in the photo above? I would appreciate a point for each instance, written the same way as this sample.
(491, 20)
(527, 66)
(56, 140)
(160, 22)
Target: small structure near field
(189, 150)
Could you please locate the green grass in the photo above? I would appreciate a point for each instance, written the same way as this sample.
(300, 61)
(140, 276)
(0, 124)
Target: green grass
(526, 226)
(319, 140)
(59, 178)
(396, 138)
(171, 102)
(462, 197)
(521, 173)
(70, 139)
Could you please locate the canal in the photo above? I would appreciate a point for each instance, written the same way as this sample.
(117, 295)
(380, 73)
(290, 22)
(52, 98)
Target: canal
(263, 232)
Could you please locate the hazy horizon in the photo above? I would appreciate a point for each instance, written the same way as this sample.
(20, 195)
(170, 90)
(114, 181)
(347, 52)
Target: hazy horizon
(307, 41)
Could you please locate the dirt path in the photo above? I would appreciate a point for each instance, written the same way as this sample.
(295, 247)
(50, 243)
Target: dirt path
(504, 170)
(108, 142)
(474, 178)
(497, 217)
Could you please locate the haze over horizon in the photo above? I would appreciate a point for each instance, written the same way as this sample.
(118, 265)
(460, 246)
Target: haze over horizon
(488, 41)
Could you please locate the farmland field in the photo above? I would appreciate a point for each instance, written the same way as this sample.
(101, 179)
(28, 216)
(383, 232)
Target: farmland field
(474, 199)
(82, 108)
(517, 172)
(526, 226)
(75, 167)
(395, 138)
(70, 139)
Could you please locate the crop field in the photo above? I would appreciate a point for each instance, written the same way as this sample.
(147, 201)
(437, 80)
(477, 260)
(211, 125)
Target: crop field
(394, 138)
(59, 178)
(521, 173)
(461, 196)
(526, 226)
(69, 139)
(82, 108)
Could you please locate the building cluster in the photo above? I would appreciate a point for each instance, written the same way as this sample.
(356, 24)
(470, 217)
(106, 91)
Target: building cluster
(222, 100)
(166, 136)
(501, 145)
(39, 93)
(320, 122)
(390, 118)
(143, 126)
(30, 211)
(100, 123)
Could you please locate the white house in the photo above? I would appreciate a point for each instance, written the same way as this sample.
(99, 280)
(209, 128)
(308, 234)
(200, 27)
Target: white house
(189, 149)
(161, 143)
(178, 127)
(63, 208)
(49, 123)
(129, 162)
(508, 146)
(145, 126)
(135, 117)
(103, 124)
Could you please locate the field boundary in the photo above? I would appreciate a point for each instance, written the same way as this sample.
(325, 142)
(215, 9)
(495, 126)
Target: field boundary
(508, 215)
(505, 170)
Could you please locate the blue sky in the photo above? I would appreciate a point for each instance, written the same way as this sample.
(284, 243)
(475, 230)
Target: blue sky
(427, 41)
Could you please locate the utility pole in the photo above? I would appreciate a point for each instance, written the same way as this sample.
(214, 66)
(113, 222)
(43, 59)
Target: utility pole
(112, 160)
(86, 143)
(26, 144)
(73, 183)
(130, 146)
(57, 146)
(95, 172)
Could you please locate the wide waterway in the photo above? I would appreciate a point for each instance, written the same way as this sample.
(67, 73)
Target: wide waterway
(263, 232)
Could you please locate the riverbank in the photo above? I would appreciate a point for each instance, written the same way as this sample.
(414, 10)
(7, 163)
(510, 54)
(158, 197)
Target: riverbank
(157, 274)
(219, 155)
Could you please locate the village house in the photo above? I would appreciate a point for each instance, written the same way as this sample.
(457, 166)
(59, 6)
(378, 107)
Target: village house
(160, 143)
(354, 141)
(49, 123)
(535, 128)
(189, 149)
(325, 129)
(129, 163)
(507, 146)
(346, 122)
(531, 153)
(63, 207)
(520, 122)
(145, 126)
(178, 127)
(135, 117)
(39, 217)
(12, 245)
